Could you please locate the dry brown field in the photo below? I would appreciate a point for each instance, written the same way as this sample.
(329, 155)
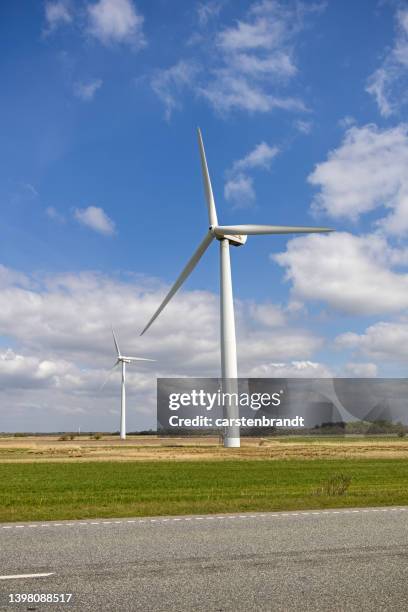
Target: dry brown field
(148, 448)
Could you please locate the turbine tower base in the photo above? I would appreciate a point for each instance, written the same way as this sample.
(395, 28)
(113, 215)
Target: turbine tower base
(232, 442)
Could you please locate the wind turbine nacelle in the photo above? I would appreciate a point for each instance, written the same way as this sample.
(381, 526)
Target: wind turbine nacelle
(237, 239)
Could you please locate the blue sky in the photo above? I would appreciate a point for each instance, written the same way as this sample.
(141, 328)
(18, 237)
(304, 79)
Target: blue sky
(303, 110)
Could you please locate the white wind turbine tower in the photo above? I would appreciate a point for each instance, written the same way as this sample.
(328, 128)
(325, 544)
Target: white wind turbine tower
(235, 235)
(123, 359)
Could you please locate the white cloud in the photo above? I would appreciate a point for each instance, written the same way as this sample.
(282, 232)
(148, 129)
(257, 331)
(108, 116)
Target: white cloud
(346, 121)
(206, 11)
(239, 188)
(229, 91)
(255, 59)
(352, 274)
(23, 371)
(53, 214)
(31, 189)
(282, 343)
(377, 86)
(268, 315)
(304, 127)
(388, 84)
(56, 14)
(96, 219)
(248, 65)
(383, 341)
(260, 157)
(169, 83)
(10, 277)
(70, 315)
(116, 21)
(367, 171)
(239, 191)
(59, 328)
(85, 90)
(295, 369)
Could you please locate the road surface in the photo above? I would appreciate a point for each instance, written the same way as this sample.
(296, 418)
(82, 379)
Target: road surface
(334, 560)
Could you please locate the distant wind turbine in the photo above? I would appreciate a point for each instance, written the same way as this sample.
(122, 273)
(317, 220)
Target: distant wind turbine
(236, 235)
(122, 359)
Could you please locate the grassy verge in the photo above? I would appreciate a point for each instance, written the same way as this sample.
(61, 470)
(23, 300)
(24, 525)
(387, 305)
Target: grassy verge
(48, 491)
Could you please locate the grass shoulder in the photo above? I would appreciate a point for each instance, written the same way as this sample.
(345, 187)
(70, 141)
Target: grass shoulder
(65, 490)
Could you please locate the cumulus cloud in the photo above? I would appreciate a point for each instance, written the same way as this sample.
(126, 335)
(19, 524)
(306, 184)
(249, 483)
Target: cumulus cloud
(57, 13)
(108, 21)
(269, 315)
(8, 277)
(58, 331)
(86, 90)
(169, 83)
(28, 371)
(367, 171)
(96, 219)
(116, 21)
(388, 84)
(383, 340)
(239, 188)
(353, 274)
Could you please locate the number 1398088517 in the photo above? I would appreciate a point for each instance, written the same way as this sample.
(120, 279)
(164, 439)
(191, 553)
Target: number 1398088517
(39, 597)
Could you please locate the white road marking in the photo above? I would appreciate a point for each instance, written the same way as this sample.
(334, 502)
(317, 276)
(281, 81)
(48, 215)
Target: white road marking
(275, 515)
(17, 576)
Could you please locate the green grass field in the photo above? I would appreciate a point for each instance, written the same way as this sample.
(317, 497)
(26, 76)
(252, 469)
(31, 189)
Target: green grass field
(55, 491)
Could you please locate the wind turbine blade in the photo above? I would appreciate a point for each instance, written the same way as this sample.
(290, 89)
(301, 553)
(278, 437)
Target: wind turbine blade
(185, 273)
(139, 359)
(212, 213)
(116, 342)
(253, 230)
(108, 376)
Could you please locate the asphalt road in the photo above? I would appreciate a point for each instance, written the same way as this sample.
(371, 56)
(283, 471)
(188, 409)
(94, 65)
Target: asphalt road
(324, 560)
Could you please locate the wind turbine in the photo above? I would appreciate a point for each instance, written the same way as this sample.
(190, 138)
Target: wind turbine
(235, 235)
(122, 359)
